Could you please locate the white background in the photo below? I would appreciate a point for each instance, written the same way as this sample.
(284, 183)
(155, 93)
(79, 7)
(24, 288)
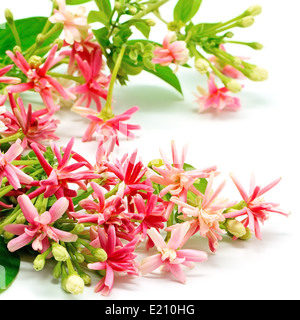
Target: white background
(262, 138)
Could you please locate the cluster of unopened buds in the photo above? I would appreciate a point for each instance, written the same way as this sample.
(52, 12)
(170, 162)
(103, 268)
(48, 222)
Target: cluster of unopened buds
(95, 215)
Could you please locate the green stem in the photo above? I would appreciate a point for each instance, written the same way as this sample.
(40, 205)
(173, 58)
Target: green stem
(24, 162)
(15, 33)
(66, 76)
(151, 8)
(12, 138)
(107, 110)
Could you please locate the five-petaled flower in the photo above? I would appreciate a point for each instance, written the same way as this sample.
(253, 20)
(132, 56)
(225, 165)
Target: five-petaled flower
(40, 227)
(256, 208)
(170, 255)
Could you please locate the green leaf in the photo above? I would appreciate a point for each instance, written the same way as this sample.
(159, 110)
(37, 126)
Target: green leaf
(98, 16)
(104, 6)
(75, 2)
(9, 266)
(167, 75)
(28, 30)
(185, 10)
(141, 25)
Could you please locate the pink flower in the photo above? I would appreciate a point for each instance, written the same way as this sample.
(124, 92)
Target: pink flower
(14, 175)
(40, 228)
(170, 256)
(150, 214)
(61, 176)
(216, 98)
(107, 127)
(175, 179)
(96, 83)
(75, 24)
(206, 215)
(119, 259)
(38, 80)
(8, 80)
(131, 173)
(256, 209)
(172, 51)
(37, 127)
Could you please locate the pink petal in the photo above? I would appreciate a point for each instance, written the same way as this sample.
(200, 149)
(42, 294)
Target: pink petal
(28, 209)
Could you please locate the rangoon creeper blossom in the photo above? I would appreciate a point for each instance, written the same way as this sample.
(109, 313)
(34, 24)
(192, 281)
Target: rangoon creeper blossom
(170, 255)
(75, 24)
(38, 80)
(40, 228)
(14, 175)
(206, 215)
(216, 98)
(172, 51)
(120, 259)
(256, 208)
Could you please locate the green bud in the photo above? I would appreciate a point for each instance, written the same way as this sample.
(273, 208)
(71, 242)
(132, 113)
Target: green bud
(57, 270)
(233, 86)
(17, 49)
(59, 43)
(201, 65)
(7, 235)
(236, 228)
(9, 16)
(74, 284)
(229, 35)
(39, 262)
(246, 22)
(258, 74)
(118, 5)
(79, 228)
(254, 10)
(156, 163)
(256, 45)
(40, 39)
(133, 10)
(20, 219)
(35, 62)
(151, 22)
(100, 254)
(86, 278)
(59, 252)
(247, 236)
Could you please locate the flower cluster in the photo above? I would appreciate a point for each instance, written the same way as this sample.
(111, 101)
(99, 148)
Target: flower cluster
(97, 215)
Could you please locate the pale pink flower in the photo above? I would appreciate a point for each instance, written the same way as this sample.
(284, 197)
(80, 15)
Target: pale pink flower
(40, 229)
(175, 179)
(14, 175)
(75, 24)
(216, 98)
(107, 128)
(256, 208)
(172, 51)
(8, 80)
(120, 259)
(38, 80)
(170, 255)
(205, 217)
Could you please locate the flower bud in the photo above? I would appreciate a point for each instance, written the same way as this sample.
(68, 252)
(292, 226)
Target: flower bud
(236, 228)
(118, 5)
(151, 22)
(254, 10)
(202, 65)
(258, 74)
(59, 252)
(9, 16)
(100, 254)
(8, 235)
(86, 278)
(233, 86)
(35, 62)
(20, 219)
(256, 45)
(40, 39)
(74, 284)
(59, 42)
(57, 270)
(17, 49)
(79, 228)
(246, 22)
(39, 262)
(133, 10)
(229, 34)
(247, 236)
